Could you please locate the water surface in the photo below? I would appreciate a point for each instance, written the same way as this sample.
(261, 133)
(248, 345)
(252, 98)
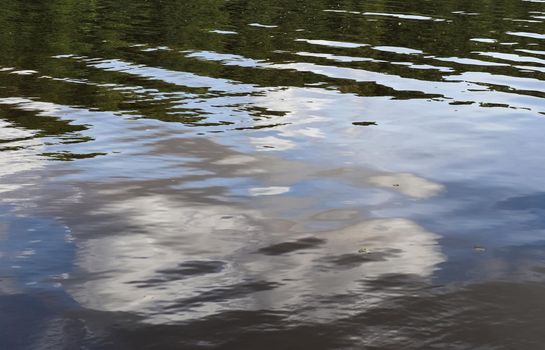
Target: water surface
(272, 174)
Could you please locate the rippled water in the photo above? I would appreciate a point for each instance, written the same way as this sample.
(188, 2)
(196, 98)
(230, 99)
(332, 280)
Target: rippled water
(272, 174)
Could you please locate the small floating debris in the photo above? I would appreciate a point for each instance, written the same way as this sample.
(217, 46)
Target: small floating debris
(364, 123)
(364, 250)
(479, 248)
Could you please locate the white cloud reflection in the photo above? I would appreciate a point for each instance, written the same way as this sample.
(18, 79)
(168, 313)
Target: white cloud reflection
(142, 271)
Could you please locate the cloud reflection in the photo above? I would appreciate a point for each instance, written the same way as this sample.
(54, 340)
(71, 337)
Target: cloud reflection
(145, 270)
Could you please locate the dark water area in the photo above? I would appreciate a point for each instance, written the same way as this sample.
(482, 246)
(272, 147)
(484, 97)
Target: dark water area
(272, 174)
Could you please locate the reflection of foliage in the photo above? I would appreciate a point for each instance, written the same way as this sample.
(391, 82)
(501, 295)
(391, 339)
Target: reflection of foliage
(68, 156)
(49, 27)
(34, 31)
(46, 126)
